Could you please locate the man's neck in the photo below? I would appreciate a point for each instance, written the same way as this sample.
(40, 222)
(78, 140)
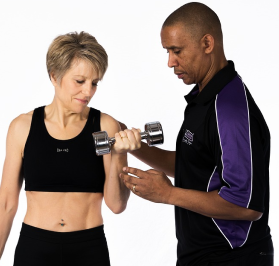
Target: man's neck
(212, 71)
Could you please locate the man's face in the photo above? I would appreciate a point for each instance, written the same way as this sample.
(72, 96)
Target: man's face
(186, 54)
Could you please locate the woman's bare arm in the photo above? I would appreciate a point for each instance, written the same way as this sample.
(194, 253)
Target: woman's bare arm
(12, 175)
(159, 159)
(116, 193)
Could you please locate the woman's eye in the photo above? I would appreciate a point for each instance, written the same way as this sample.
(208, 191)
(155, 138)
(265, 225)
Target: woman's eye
(94, 84)
(79, 81)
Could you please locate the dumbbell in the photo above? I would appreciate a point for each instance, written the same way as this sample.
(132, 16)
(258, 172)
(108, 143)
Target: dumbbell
(153, 134)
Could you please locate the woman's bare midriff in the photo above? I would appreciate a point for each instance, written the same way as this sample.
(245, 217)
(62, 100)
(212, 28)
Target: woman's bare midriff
(63, 212)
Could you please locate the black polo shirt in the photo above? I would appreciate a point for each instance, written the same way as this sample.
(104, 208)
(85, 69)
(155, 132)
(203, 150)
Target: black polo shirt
(224, 145)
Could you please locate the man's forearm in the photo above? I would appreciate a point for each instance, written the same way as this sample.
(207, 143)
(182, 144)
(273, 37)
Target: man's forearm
(210, 204)
(159, 159)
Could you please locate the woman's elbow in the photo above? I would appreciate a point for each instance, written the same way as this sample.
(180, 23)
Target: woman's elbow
(9, 206)
(118, 208)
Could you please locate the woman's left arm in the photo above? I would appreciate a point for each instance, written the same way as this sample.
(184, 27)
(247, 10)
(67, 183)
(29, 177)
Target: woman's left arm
(116, 194)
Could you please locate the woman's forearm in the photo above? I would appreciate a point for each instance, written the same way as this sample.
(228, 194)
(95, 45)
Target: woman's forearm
(7, 215)
(116, 193)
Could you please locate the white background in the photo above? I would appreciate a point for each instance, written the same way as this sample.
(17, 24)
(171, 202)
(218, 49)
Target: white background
(137, 88)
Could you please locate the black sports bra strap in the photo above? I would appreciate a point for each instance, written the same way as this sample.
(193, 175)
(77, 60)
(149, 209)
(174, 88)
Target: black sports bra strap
(38, 113)
(36, 123)
(94, 117)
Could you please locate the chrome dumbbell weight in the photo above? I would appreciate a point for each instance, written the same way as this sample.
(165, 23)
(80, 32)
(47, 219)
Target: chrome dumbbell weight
(153, 134)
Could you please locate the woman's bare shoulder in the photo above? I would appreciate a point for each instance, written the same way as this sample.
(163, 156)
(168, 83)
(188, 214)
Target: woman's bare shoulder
(109, 124)
(20, 126)
(22, 121)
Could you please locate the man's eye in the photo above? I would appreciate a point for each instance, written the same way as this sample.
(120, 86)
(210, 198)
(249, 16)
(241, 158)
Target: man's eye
(177, 52)
(79, 81)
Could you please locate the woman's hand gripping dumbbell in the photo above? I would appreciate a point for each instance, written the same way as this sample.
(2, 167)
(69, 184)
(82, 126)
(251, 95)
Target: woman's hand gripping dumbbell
(153, 134)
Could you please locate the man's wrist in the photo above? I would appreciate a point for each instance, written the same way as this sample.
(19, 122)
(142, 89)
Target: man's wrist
(169, 198)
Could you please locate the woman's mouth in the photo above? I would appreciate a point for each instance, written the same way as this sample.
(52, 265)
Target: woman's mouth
(82, 101)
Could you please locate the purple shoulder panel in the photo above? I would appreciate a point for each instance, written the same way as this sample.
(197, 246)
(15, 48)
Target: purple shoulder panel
(233, 123)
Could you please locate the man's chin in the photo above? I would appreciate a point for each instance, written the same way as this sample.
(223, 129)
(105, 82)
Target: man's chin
(188, 82)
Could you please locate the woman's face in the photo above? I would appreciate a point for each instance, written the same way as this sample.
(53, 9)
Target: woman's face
(77, 86)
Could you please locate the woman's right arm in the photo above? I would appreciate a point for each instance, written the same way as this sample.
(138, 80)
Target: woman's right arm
(12, 175)
(159, 159)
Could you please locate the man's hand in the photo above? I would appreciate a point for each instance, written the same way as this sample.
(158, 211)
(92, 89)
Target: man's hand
(151, 184)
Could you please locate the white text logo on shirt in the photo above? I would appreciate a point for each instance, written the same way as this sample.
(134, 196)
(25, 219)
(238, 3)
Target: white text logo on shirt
(188, 137)
(62, 150)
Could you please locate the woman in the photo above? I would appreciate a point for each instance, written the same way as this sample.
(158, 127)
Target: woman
(52, 149)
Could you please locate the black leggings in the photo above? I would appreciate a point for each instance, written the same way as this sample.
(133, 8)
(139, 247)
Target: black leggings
(39, 247)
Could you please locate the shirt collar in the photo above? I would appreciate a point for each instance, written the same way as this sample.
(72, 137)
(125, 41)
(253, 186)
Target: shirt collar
(214, 86)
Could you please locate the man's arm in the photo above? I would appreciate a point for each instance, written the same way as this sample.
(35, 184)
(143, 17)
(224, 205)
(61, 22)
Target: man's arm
(210, 204)
(157, 158)
(155, 186)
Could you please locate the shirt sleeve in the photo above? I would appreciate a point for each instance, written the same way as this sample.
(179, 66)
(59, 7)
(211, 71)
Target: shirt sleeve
(236, 141)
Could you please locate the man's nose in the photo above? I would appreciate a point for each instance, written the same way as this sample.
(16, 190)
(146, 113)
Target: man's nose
(172, 61)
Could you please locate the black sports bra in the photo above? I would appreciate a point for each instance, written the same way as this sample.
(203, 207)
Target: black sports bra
(56, 165)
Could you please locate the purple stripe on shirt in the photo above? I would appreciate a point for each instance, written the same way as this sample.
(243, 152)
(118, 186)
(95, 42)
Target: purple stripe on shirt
(235, 232)
(214, 182)
(234, 132)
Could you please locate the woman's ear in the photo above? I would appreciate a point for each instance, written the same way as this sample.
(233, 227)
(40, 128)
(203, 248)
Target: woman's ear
(53, 79)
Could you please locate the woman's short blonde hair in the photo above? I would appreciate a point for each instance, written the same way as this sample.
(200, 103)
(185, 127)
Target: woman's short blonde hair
(68, 47)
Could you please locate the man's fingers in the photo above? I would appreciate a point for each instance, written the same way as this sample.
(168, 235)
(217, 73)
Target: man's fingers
(129, 179)
(134, 171)
(153, 171)
(131, 182)
(135, 188)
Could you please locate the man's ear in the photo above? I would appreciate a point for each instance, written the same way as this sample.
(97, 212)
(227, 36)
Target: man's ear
(208, 43)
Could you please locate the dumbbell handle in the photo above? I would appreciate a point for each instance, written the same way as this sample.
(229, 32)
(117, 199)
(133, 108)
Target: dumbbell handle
(153, 133)
(144, 135)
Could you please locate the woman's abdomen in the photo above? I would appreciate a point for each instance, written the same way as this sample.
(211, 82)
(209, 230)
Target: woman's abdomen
(63, 211)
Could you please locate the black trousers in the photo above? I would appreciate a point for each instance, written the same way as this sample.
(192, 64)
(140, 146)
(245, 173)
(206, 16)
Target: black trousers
(39, 247)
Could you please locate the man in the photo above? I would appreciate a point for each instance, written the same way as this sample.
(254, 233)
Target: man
(221, 192)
